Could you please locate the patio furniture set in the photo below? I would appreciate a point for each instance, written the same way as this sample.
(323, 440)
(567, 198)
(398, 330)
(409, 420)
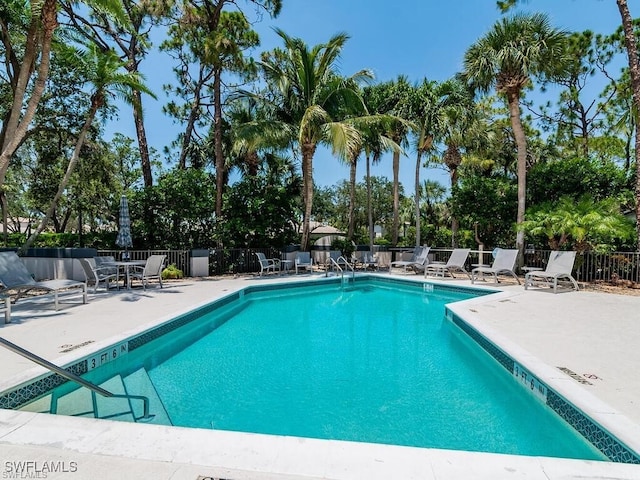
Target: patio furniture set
(16, 281)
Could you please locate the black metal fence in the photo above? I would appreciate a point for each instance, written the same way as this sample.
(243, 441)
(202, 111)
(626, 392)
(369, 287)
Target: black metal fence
(588, 267)
(179, 258)
(221, 261)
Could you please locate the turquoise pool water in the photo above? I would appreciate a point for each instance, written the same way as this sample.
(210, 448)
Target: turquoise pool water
(368, 363)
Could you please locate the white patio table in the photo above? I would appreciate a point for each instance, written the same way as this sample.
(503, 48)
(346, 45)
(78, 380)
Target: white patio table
(125, 266)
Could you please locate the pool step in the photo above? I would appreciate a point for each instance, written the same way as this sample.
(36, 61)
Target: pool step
(78, 403)
(82, 402)
(114, 408)
(139, 383)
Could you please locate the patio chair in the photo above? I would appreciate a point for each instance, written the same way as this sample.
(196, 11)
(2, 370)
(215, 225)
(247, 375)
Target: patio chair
(418, 260)
(150, 271)
(368, 260)
(303, 261)
(559, 268)
(101, 262)
(267, 264)
(14, 276)
(504, 263)
(96, 275)
(455, 264)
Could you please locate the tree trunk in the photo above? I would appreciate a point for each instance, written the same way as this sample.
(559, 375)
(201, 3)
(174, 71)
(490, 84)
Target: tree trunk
(352, 197)
(417, 196)
(217, 134)
(369, 208)
(396, 199)
(634, 71)
(95, 104)
(19, 120)
(145, 161)
(308, 149)
(455, 225)
(143, 144)
(513, 99)
(5, 217)
(193, 117)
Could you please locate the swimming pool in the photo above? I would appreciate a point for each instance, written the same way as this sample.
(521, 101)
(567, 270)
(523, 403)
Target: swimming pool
(133, 371)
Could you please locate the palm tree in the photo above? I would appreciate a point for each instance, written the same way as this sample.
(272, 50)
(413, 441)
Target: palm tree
(433, 193)
(125, 25)
(309, 98)
(394, 99)
(109, 79)
(465, 130)
(372, 143)
(634, 71)
(508, 57)
(432, 103)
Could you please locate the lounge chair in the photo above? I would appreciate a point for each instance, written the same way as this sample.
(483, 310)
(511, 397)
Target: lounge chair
(5, 305)
(418, 261)
(455, 264)
(368, 260)
(96, 275)
(267, 264)
(14, 276)
(303, 261)
(504, 263)
(150, 271)
(559, 268)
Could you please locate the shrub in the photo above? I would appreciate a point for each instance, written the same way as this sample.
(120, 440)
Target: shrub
(172, 271)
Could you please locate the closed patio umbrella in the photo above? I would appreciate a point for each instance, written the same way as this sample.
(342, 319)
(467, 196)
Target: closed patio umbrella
(124, 233)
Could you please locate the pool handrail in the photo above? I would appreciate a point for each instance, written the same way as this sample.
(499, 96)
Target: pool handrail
(76, 378)
(336, 262)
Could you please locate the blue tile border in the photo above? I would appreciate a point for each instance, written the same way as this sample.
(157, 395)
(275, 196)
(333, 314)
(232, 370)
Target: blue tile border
(24, 394)
(604, 441)
(180, 321)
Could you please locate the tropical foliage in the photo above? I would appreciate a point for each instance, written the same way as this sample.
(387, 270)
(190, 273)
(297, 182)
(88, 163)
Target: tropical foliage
(583, 225)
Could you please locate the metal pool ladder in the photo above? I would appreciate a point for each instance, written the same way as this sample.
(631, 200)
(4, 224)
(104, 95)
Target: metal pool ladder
(76, 378)
(336, 263)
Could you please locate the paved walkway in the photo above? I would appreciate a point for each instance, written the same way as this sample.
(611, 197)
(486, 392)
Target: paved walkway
(594, 335)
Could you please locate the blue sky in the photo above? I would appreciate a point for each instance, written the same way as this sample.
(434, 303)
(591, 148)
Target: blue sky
(415, 38)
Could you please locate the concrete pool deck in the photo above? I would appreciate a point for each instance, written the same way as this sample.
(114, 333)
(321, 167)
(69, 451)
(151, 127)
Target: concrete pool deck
(595, 336)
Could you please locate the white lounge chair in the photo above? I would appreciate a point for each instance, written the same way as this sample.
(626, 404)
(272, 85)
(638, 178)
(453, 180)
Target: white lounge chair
(303, 261)
(418, 261)
(267, 264)
(455, 264)
(559, 268)
(368, 260)
(504, 264)
(150, 271)
(96, 275)
(14, 276)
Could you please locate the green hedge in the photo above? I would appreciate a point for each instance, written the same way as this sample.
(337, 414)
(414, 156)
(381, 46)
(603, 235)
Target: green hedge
(99, 240)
